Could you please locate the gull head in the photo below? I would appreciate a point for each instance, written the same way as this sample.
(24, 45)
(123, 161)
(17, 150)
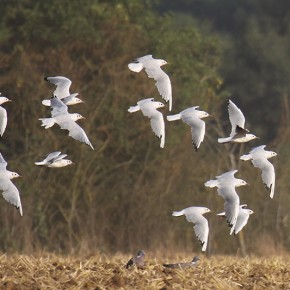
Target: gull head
(203, 114)
(77, 116)
(4, 100)
(205, 210)
(13, 175)
(162, 62)
(271, 154)
(158, 105)
(252, 137)
(240, 182)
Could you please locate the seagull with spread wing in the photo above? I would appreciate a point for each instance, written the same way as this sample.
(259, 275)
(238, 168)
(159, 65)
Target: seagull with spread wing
(149, 109)
(62, 91)
(66, 121)
(238, 134)
(153, 69)
(193, 117)
(10, 191)
(243, 217)
(194, 214)
(226, 184)
(55, 160)
(259, 157)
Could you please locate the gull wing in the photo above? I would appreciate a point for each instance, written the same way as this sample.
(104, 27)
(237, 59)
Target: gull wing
(236, 117)
(158, 126)
(11, 193)
(58, 107)
(75, 131)
(268, 173)
(3, 163)
(200, 228)
(232, 202)
(62, 85)
(163, 83)
(3, 120)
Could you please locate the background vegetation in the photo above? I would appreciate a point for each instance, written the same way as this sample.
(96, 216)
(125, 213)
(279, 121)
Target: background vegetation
(120, 196)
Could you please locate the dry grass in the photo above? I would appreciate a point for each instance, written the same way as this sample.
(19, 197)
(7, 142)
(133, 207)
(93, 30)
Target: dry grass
(101, 272)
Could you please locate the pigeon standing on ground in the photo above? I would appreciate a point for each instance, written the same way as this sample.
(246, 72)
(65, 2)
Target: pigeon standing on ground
(148, 108)
(226, 184)
(238, 134)
(62, 91)
(10, 191)
(55, 160)
(259, 157)
(194, 214)
(187, 265)
(243, 216)
(153, 69)
(138, 260)
(3, 115)
(66, 121)
(193, 118)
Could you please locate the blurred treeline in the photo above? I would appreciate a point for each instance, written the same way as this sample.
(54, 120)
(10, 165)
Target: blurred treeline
(120, 196)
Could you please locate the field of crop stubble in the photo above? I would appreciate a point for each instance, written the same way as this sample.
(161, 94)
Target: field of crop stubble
(49, 271)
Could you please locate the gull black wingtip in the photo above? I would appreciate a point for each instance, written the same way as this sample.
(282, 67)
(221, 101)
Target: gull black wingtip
(45, 78)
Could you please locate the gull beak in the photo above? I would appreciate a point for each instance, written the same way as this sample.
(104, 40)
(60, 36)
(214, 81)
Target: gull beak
(83, 117)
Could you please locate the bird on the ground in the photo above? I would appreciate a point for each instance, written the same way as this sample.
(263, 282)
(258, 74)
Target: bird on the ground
(193, 117)
(138, 260)
(183, 265)
(149, 109)
(10, 191)
(238, 134)
(55, 160)
(66, 121)
(243, 216)
(259, 157)
(62, 91)
(226, 184)
(3, 115)
(194, 214)
(153, 69)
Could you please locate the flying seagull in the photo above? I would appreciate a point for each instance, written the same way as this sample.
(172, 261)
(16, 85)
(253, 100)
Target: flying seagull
(259, 157)
(243, 216)
(238, 134)
(10, 191)
(153, 69)
(3, 115)
(62, 91)
(226, 184)
(194, 214)
(148, 108)
(193, 117)
(137, 260)
(191, 264)
(65, 120)
(55, 159)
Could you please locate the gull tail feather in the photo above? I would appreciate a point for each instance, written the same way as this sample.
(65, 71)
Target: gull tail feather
(46, 103)
(39, 163)
(224, 140)
(173, 117)
(47, 122)
(211, 183)
(246, 157)
(134, 109)
(135, 67)
(178, 213)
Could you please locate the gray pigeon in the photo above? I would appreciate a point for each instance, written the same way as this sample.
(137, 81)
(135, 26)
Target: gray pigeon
(137, 260)
(187, 265)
